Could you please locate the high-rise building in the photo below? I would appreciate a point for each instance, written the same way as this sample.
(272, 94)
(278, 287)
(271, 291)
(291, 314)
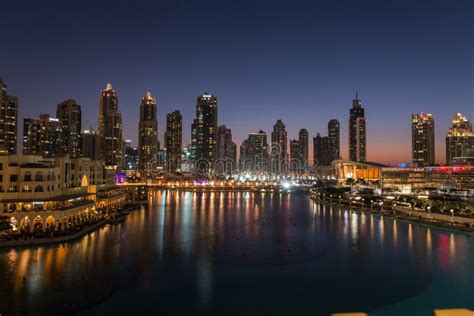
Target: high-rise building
(460, 140)
(279, 149)
(43, 136)
(205, 133)
(423, 139)
(226, 151)
(110, 128)
(174, 141)
(303, 149)
(147, 133)
(8, 120)
(321, 150)
(357, 132)
(254, 153)
(334, 139)
(131, 155)
(295, 156)
(69, 114)
(90, 144)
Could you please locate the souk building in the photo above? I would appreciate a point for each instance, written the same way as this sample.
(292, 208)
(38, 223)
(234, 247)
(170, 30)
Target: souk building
(40, 193)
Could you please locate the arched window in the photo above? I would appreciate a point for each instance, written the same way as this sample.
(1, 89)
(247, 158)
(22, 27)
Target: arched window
(27, 176)
(39, 176)
(39, 188)
(26, 188)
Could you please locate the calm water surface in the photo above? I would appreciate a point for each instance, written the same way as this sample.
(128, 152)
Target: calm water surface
(244, 254)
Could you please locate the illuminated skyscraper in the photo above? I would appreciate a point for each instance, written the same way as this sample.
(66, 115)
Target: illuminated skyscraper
(69, 114)
(174, 141)
(303, 149)
(90, 144)
(423, 139)
(279, 149)
(357, 132)
(460, 140)
(110, 128)
(8, 120)
(205, 133)
(334, 139)
(295, 157)
(254, 153)
(43, 136)
(226, 151)
(147, 133)
(321, 151)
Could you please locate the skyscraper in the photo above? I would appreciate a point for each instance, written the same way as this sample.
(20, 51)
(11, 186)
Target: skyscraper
(423, 139)
(279, 149)
(90, 144)
(174, 141)
(110, 128)
(147, 132)
(226, 151)
(460, 140)
(303, 149)
(334, 139)
(69, 114)
(8, 120)
(321, 150)
(357, 132)
(205, 133)
(295, 156)
(254, 153)
(43, 136)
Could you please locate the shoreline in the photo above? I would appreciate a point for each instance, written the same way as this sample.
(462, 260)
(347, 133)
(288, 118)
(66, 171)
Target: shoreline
(66, 238)
(402, 217)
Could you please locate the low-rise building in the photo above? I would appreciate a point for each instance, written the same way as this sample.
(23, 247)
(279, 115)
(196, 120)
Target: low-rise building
(40, 193)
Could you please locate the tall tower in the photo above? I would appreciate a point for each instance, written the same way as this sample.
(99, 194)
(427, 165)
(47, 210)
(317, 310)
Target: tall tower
(8, 120)
(460, 140)
(303, 149)
(334, 139)
(279, 150)
(90, 144)
(43, 136)
(69, 114)
(174, 141)
(357, 132)
(110, 128)
(254, 153)
(423, 139)
(205, 130)
(147, 132)
(321, 150)
(295, 156)
(226, 151)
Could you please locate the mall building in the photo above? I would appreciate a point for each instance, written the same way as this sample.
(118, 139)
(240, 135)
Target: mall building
(407, 178)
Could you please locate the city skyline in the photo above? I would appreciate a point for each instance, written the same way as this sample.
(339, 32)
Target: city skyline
(398, 69)
(311, 150)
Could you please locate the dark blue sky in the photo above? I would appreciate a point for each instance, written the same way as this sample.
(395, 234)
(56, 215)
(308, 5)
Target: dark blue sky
(300, 61)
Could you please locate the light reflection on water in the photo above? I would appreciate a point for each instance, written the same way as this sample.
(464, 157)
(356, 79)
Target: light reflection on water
(277, 252)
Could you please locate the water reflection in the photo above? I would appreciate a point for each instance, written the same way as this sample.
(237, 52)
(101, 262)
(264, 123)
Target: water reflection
(202, 247)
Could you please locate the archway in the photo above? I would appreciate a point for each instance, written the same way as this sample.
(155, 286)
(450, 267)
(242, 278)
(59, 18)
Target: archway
(14, 223)
(38, 223)
(50, 222)
(39, 176)
(38, 188)
(25, 223)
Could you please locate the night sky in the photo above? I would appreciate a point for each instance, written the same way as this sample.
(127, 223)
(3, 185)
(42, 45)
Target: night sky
(300, 61)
